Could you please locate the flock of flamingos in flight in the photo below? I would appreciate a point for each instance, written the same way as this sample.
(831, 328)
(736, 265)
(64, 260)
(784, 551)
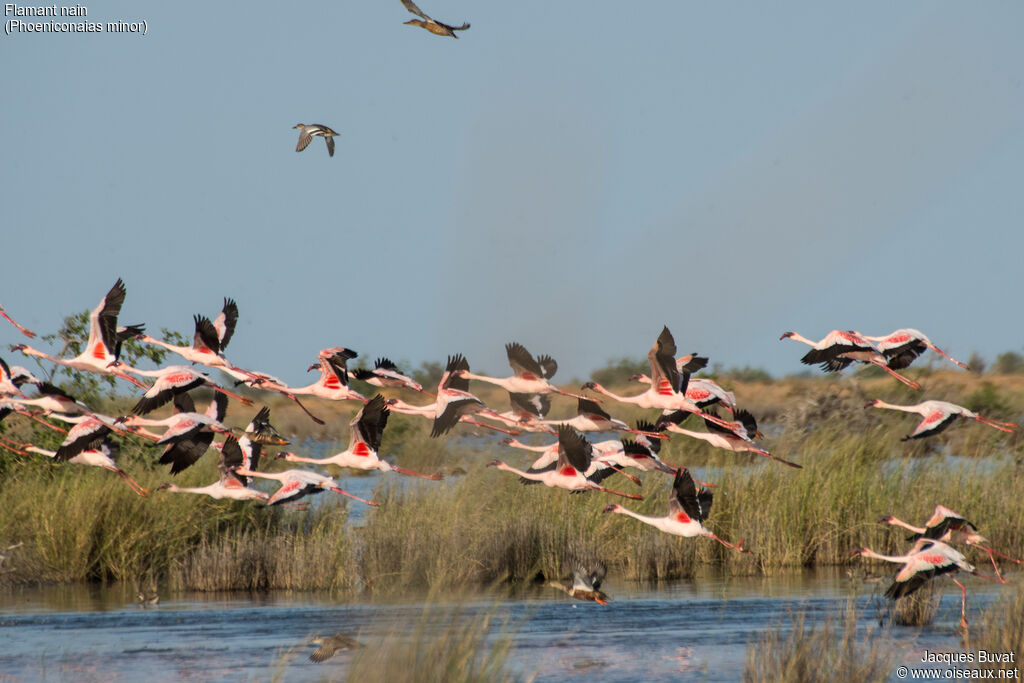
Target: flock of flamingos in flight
(571, 462)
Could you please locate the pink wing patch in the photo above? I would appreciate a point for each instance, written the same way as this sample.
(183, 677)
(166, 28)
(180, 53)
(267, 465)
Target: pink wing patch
(286, 490)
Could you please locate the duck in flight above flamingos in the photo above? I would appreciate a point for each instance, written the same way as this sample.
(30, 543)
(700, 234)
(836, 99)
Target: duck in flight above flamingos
(432, 25)
(308, 131)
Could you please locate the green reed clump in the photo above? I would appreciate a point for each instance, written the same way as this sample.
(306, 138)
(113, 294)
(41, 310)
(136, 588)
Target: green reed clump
(833, 652)
(491, 528)
(83, 523)
(919, 608)
(818, 514)
(302, 552)
(1002, 630)
(462, 649)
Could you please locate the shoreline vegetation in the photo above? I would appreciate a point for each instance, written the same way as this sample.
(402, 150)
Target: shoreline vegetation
(81, 524)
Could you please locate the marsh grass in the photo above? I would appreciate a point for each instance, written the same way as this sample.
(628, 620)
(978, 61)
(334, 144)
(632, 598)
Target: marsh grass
(1002, 631)
(299, 553)
(832, 652)
(485, 528)
(919, 608)
(445, 645)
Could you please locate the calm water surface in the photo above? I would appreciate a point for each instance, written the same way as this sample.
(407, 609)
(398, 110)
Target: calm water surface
(693, 630)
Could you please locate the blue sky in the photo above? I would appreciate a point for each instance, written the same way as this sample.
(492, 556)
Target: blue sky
(568, 175)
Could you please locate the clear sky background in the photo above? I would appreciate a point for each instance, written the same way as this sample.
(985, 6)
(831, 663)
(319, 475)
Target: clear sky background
(568, 175)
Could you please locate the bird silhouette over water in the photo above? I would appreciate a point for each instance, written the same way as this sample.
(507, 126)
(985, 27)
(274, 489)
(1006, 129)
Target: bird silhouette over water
(148, 599)
(584, 584)
(331, 645)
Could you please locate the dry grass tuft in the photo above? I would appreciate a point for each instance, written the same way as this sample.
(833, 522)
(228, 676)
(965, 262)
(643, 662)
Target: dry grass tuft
(833, 652)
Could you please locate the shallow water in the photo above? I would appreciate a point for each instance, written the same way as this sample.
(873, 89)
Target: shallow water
(692, 630)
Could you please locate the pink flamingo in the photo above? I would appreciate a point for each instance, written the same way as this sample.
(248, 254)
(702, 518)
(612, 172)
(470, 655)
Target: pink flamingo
(527, 413)
(230, 485)
(104, 342)
(590, 417)
(365, 431)
(189, 434)
(737, 437)
(333, 382)
(386, 374)
(926, 559)
(8, 387)
(903, 346)
(174, 380)
(530, 375)
(703, 392)
(332, 385)
(455, 404)
(209, 340)
(687, 510)
(938, 415)
(949, 526)
(574, 459)
(668, 385)
(296, 484)
(100, 453)
(840, 348)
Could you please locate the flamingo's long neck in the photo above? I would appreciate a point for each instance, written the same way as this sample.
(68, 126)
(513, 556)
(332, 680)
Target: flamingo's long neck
(535, 476)
(169, 347)
(899, 559)
(646, 519)
(245, 472)
(29, 351)
(500, 381)
(688, 432)
(138, 421)
(899, 522)
(401, 406)
(291, 457)
(796, 336)
(621, 399)
(202, 490)
(893, 406)
(42, 451)
(536, 449)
